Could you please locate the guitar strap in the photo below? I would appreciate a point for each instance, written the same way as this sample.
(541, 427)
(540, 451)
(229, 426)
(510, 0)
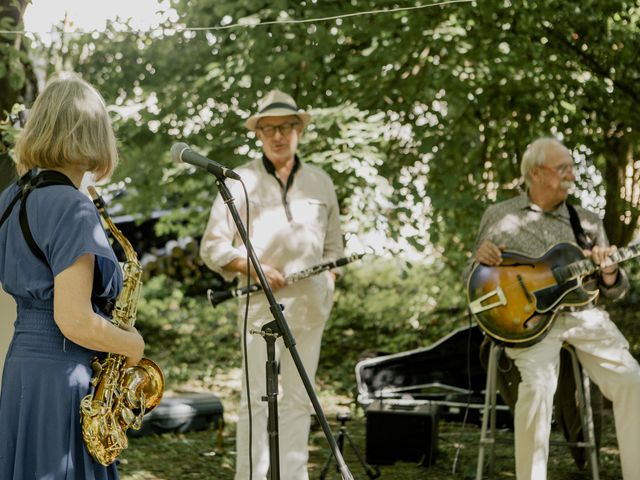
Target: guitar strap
(581, 237)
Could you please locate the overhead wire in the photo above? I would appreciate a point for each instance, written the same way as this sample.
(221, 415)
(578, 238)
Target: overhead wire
(245, 24)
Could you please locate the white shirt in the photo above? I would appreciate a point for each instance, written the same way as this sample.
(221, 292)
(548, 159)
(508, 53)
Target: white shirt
(290, 229)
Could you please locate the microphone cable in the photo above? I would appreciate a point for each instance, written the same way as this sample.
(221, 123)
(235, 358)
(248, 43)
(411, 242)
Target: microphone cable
(245, 321)
(469, 390)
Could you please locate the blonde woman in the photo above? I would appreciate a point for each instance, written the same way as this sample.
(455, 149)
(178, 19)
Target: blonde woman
(63, 293)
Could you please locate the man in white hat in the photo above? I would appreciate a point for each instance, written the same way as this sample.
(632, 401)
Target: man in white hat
(294, 224)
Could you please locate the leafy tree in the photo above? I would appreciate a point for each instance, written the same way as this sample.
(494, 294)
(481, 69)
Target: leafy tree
(421, 115)
(460, 90)
(16, 80)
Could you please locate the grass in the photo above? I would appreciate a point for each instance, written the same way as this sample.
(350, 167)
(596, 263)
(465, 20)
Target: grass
(209, 455)
(189, 329)
(195, 456)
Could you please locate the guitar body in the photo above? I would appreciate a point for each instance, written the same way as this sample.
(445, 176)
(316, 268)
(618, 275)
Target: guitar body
(515, 302)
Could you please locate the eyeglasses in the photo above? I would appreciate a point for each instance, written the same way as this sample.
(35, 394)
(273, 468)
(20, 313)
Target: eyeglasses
(284, 129)
(560, 169)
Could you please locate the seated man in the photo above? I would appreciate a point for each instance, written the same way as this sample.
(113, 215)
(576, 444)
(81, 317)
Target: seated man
(531, 224)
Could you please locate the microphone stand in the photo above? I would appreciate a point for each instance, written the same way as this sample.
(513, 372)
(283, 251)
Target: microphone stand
(270, 332)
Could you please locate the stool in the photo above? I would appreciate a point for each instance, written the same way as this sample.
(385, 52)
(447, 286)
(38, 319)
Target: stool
(488, 430)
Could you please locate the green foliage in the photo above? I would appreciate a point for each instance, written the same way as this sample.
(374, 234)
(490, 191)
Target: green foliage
(188, 338)
(420, 115)
(386, 307)
(380, 307)
(9, 131)
(14, 69)
(180, 261)
(13, 58)
(624, 312)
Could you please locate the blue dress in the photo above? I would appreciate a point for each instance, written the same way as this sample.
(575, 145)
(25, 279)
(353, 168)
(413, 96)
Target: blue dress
(46, 375)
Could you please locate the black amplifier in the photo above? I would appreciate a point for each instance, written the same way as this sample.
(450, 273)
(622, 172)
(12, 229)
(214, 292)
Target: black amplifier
(401, 430)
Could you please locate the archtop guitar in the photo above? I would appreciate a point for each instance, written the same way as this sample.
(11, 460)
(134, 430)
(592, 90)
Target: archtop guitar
(516, 302)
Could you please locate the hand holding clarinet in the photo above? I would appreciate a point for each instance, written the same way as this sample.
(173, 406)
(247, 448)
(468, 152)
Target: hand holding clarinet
(216, 297)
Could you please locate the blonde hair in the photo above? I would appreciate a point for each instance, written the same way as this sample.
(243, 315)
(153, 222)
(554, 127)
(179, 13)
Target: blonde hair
(68, 125)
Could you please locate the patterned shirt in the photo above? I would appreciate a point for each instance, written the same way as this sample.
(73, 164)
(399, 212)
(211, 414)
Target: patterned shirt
(525, 228)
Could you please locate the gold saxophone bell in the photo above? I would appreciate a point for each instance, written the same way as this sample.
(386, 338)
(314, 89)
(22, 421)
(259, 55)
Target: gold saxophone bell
(145, 380)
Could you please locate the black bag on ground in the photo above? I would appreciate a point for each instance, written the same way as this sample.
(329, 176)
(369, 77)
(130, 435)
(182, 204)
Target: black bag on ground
(183, 413)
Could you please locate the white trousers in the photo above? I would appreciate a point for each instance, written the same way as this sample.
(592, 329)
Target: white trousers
(294, 406)
(604, 354)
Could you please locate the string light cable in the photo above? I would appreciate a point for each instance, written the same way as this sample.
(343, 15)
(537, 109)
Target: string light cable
(249, 24)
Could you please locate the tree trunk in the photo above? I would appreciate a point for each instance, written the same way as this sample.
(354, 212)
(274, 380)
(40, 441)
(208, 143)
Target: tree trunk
(622, 179)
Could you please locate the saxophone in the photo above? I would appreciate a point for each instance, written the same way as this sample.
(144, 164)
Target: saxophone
(121, 395)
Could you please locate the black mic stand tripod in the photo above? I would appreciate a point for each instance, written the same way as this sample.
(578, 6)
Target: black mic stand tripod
(270, 332)
(343, 418)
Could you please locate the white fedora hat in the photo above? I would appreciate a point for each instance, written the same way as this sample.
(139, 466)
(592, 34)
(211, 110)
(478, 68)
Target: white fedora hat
(276, 104)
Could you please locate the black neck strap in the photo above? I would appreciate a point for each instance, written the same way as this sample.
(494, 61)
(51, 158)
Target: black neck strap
(28, 183)
(581, 237)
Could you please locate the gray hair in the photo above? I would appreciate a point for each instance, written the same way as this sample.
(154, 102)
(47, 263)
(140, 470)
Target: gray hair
(535, 155)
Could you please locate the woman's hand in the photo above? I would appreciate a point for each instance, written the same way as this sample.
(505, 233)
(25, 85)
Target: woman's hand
(137, 350)
(73, 313)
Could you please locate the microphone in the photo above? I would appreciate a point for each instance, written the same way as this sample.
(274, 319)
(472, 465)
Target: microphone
(181, 152)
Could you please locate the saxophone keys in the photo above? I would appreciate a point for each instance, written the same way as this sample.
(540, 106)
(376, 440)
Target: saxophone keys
(127, 416)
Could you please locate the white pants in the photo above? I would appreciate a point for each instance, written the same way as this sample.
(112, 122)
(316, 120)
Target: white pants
(294, 406)
(604, 354)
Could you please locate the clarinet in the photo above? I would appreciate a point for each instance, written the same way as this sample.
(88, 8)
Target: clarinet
(216, 297)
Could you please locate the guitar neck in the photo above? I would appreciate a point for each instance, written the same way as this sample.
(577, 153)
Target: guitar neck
(587, 267)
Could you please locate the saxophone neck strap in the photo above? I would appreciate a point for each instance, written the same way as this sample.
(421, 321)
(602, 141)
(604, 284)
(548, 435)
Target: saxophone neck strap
(22, 183)
(28, 183)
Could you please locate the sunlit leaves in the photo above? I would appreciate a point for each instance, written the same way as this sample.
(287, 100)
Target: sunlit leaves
(421, 116)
